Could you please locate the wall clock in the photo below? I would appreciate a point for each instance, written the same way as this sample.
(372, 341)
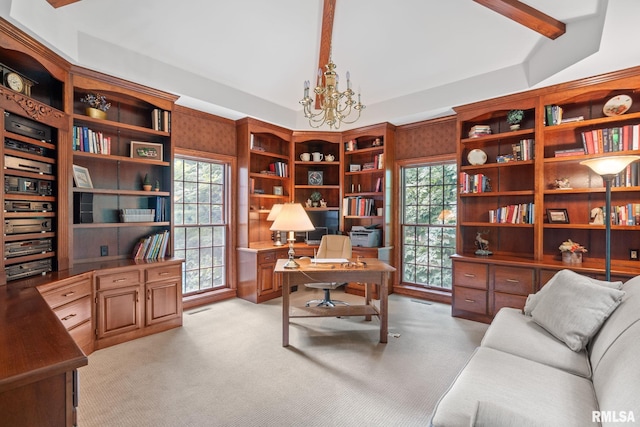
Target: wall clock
(15, 82)
(315, 177)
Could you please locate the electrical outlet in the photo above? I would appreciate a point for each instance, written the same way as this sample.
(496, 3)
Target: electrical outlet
(104, 250)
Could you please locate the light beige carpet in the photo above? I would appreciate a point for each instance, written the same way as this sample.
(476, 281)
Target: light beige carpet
(226, 367)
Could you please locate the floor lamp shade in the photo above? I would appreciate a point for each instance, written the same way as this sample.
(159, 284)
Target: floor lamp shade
(608, 168)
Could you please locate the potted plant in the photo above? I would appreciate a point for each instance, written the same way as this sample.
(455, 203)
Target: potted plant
(572, 252)
(514, 117)
(98, 105)
(146, 183)
(315, 198)
(157, 187)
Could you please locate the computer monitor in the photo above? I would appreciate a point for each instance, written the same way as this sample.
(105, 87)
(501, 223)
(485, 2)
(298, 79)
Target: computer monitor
(314, 237)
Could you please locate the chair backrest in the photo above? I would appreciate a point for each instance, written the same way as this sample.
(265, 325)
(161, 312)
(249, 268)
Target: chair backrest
(334, 246)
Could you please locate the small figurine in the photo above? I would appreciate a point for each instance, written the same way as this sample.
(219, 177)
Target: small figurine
(482, 244)
(562, 184)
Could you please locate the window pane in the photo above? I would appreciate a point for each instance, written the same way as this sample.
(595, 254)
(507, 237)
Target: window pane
(199, 202)
(429, 221)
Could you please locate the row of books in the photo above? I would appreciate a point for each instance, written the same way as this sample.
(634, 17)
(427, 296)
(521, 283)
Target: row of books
(152, 247)
(378, 163)
(553, 115)
(523, 150)
(87, 140)
(629, 177)
(608, 140)
(358, 206)
(628, 214)
(279, 169)
(475, 183)
(161, 120)
(160, 205)
(512, 214)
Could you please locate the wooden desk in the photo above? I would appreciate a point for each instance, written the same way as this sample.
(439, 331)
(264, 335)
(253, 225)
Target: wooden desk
(375, 271)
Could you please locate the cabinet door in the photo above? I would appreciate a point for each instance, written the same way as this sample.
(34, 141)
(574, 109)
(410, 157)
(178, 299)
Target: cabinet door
(163, 301)
(118, 311)
(266, 282)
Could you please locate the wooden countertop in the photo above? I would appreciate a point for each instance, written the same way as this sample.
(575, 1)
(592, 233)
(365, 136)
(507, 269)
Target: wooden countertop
(33, 342)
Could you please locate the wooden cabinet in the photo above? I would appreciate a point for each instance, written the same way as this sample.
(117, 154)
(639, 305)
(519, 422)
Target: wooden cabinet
(133, 141)
(137, 300)
(70, 300)
(367, 180)
(34, 131)
(163, 287)
(256, 281)
(471, 288)
(511, 179)
(263, 178)
(511, 286)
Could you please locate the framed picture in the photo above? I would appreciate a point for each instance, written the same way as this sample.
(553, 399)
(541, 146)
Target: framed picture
(146, 150)
(81, 177)
(354, 168)
(277, 190)
(557, 216)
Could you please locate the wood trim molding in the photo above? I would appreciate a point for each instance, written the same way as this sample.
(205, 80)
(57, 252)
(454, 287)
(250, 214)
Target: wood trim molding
(527, 16)
(59, 3)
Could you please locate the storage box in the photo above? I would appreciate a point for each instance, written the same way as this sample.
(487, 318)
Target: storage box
(137, 215)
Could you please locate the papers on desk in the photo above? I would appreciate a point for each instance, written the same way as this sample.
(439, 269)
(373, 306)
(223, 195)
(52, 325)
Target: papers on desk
(328, 260)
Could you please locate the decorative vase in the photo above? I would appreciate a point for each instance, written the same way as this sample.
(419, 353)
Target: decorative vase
(515, 127)
(571, 257)
(95, 113)
(146, 187)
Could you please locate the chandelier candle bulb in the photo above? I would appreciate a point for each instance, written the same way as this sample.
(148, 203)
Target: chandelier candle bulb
(348, 80)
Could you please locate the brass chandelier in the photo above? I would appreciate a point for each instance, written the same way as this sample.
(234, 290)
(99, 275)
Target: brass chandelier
(335, 106)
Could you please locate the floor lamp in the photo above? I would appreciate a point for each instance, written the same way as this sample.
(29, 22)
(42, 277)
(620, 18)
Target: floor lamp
(608, 168)
(273, 214)
(292, 218)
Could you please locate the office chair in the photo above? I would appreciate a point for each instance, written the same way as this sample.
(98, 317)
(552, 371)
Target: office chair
(331, 246)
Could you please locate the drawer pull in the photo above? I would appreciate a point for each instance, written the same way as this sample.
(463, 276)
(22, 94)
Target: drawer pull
(470, 300)
(513, 280)
(469, 275)
(68, 294)
(68, 317)
(164, 273)
(120, 280)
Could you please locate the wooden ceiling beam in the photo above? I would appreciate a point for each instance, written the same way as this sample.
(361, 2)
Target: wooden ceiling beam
(59, 3)
(527, 16)
(328, 12)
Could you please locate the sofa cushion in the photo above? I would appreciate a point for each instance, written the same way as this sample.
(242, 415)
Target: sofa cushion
(536, 391)
(574, 310)
(565, 276)
(490, 414)
(515, 333)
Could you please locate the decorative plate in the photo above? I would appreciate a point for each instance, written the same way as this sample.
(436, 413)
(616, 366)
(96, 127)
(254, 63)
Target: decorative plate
(617, 105)
(477, 157)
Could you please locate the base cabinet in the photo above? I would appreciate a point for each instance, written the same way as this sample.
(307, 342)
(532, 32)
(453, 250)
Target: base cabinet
(135, 301)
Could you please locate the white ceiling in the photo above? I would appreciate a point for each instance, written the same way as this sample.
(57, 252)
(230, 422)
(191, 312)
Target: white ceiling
(411, 59)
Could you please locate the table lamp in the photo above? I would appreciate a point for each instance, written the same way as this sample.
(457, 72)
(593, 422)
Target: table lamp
(292, 218)
(608, 168)
(273, 213)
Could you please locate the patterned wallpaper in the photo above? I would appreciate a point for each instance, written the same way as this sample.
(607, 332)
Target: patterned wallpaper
(200, 131)
(428, 138)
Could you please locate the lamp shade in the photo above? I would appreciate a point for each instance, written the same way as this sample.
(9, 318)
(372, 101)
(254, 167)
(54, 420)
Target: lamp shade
(275, 210)
(292, 217)
(609, 165)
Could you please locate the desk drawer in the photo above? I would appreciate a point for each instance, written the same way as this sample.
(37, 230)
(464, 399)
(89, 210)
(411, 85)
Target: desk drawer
(162, 273)
(467, 299)
(267, 257)
(513, 280)
(116, 280)
(74, 313)
(67, 293)
(470, 275)
(507, 300)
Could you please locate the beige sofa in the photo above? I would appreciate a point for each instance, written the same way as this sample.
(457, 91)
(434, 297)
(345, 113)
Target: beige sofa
(525, 374)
